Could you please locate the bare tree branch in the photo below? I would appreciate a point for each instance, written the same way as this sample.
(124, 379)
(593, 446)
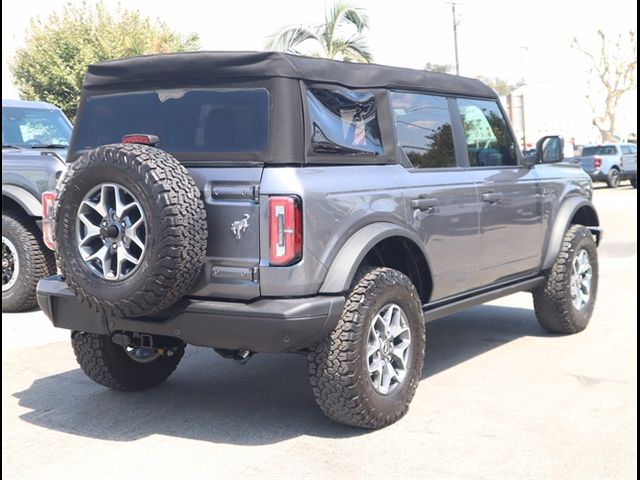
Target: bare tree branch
(614, 68)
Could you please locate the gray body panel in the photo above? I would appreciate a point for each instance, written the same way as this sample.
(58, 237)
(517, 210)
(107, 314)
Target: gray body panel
(28, 173)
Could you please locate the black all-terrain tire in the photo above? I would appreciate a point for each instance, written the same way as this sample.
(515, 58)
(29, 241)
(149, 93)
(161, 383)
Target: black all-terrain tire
(108, 364)
(338, 365)
(176, 229)
(35, 261)
(634, 182)
(552, 301)
(613, 178)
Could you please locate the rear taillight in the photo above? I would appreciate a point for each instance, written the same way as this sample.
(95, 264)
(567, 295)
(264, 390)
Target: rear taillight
(48, 211)
(285, 230)
(597, 162)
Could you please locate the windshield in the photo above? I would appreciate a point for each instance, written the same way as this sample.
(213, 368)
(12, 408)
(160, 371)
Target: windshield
(185, 121)
(599, 150)
(35, 128)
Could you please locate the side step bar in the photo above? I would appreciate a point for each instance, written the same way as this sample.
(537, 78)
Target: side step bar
(435, 310)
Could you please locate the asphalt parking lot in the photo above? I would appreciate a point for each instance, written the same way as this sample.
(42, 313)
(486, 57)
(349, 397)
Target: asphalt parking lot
(499, 399)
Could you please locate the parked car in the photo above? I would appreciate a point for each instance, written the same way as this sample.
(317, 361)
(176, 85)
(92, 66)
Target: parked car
(264, 202)
(35, 137)
(610, 163)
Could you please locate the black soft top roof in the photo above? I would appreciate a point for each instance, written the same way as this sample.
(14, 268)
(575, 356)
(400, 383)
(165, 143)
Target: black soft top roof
(221, 66)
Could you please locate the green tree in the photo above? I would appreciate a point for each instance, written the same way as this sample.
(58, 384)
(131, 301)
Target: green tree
(438, 67)
(52, 63)
(613, 71)
(340, 36)
(502, 86)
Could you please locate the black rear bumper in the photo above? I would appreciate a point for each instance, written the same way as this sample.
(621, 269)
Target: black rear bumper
(267, 325)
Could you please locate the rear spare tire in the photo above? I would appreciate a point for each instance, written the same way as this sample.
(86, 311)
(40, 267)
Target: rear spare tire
(131, 229)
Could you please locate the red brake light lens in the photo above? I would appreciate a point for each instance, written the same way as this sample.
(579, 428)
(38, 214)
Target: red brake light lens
(48, 212)
(285, 230)
(597, 162)
(141, 138)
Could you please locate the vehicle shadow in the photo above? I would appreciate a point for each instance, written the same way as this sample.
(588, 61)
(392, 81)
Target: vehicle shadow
(266, 401)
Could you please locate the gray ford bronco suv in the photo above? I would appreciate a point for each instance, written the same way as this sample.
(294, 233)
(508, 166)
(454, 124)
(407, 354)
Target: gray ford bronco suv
(263, 202)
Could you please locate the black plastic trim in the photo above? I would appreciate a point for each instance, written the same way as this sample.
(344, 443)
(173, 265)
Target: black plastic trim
(267, 325)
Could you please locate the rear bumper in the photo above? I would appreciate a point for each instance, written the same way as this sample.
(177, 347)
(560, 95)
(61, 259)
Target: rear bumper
(267, 325)
(598, 176)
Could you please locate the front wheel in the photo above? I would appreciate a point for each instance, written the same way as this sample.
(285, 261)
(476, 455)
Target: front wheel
(366, 371)
(120, 368)
(564, 303)
(634, 182)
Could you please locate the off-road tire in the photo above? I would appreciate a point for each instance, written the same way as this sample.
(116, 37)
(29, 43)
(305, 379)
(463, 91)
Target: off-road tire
(35, 261)
(552, 300)
(108, 364)
(338, 364)
(613, 178)
(176, 226)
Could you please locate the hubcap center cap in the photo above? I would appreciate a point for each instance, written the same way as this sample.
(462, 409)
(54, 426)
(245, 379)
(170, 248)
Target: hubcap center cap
(111, 231)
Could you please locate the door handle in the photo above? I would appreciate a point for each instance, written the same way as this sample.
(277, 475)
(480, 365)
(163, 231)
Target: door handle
(424, 203)
(492, 197)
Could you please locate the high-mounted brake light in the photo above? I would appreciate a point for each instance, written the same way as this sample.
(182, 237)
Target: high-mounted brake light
(141, 138)
(597, 162)
(285, 230)
(48, 211)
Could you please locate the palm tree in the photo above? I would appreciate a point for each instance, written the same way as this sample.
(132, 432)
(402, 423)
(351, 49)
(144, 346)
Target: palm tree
(331, 38)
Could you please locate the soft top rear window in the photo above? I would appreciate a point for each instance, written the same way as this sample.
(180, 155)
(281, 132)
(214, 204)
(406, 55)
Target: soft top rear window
(185, 121)
(599, 150)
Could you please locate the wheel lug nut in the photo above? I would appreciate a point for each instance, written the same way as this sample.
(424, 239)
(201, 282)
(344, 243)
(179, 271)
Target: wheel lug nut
(114, 246)
(123, 224)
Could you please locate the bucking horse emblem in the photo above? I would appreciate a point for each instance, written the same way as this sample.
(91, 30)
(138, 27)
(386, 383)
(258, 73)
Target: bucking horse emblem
(239, 226)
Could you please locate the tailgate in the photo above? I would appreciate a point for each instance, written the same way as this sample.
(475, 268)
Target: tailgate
(231, 198)
(587, 163)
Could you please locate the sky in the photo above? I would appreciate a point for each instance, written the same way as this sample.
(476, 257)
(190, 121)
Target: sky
(510, 39)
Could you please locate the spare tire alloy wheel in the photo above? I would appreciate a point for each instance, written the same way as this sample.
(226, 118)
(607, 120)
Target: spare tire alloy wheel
(111, 231)
(131, 229)
(10, 264)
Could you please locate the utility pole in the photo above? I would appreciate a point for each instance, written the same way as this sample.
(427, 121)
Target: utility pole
(455, 36)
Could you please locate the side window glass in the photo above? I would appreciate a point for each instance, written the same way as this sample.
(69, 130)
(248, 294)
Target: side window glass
(634, 149)
(343, 122)
(625, 150)
(489, 141)
(423, 127)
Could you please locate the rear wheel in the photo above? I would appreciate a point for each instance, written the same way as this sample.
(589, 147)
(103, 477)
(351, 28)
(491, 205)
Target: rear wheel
(613, 178)
(25, 260)
(366, 371)
(634, 182)
(120, 368)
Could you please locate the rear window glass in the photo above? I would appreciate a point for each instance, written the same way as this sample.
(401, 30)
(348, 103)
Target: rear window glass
(184, 120)
(599, 150)
(343, 122)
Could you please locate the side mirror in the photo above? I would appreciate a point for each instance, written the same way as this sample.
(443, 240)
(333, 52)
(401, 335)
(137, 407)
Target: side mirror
(550, 149)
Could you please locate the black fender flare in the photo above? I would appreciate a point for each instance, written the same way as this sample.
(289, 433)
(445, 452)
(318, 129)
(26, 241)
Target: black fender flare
(346, 262)
(562, 222)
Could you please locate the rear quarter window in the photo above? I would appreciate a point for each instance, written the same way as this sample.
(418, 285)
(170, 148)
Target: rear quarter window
(344, 122)
(186, 121)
